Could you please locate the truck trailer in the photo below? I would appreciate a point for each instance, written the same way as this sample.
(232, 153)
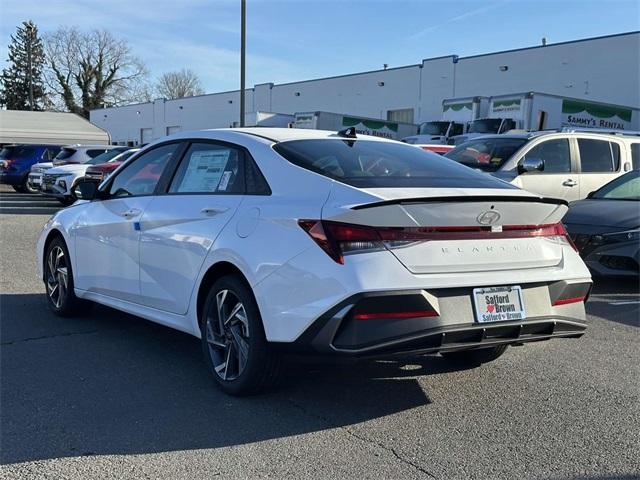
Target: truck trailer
(363, 125)
(533, 111)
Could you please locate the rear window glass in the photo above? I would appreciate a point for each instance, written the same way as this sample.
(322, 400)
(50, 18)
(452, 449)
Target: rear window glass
(95, 153)
(487, 154)
(8, 153)
(65, 153)
(371, 164)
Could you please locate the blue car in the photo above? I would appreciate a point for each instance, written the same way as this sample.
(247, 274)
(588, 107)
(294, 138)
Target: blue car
(16, 161)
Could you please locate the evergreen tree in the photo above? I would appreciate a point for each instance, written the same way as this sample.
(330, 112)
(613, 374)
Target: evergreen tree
(22, 86)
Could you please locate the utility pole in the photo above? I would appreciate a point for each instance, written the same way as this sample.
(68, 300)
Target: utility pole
(30, 74)
(243, 41)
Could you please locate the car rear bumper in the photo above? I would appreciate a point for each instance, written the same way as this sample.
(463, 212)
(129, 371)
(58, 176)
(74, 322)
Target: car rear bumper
(8, 178)
(338, 333)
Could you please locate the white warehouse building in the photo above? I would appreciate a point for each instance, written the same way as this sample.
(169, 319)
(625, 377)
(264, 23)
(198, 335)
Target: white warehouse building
(603, 69)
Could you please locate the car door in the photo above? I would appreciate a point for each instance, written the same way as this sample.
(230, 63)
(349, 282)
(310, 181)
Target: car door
(559, 176)
(179, 227)
(599, 163)
(107, 233)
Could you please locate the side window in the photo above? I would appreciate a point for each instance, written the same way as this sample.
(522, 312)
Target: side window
(142, 175)
(456, 129)
(635, 155)
(209, 168)
(254, 180)
(598, 155)
(555, 154)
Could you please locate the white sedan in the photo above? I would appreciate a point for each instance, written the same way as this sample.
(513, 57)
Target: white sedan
(263, 242)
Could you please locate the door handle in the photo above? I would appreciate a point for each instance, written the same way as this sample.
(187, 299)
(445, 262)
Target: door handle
(133, 212)
(569, 183)
(213, 210)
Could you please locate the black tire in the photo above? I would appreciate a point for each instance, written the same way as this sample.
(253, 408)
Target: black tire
(19, 188)
(236, 351)
(475, 357)
(64, 303)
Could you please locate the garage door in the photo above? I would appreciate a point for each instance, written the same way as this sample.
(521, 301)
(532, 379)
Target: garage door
(173, 129)
(146, 135)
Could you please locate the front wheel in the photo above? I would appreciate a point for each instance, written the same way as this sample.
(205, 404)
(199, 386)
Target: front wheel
(58, 278)
(233, 341)
(475, 357)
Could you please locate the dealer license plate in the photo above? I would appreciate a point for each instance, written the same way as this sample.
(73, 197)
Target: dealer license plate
(498, 304)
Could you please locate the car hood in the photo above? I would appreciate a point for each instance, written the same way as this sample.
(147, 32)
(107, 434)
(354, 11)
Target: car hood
(605, 213)
(68, 169)
(43, 164)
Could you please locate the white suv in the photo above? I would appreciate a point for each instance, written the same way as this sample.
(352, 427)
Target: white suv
(68, 154)
(567, 165)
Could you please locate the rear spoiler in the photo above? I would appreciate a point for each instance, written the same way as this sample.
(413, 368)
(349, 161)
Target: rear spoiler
(465, 199)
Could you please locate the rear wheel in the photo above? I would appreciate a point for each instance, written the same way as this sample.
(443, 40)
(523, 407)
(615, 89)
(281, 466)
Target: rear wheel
(475, 357)
(58, 278)
(233, 340)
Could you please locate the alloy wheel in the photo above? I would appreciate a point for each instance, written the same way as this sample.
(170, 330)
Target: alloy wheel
(227, 335)
(57, 276)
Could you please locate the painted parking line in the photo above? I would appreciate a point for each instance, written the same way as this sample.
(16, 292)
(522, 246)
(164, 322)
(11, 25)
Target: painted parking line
(625, 302)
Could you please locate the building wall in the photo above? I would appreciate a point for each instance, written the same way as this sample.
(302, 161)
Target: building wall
(605, 69)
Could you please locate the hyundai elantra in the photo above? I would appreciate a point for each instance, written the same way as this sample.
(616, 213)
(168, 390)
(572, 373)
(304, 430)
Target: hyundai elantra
(267, 242)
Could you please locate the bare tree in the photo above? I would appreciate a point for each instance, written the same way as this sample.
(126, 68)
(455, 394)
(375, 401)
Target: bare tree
(179, 84)
(89, 70)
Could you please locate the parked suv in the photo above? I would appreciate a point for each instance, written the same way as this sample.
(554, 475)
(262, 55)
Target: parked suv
(16, 162)
(567, 165)
(59, 181)
(68, 154)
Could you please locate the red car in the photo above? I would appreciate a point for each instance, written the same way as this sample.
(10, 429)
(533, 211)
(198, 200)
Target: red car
(437, 148)
(103, 170)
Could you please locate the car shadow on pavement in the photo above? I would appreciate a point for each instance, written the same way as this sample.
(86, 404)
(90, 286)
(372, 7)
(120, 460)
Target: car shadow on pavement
(616, 300)
(111, 383)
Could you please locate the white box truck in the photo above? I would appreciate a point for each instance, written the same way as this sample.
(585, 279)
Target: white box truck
(366, 126)
(456, 114)
(540, 111)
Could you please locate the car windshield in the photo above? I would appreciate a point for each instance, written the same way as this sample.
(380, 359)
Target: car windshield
(488, 125)
(626, 187)
(434, 128)
(104, 157)
(487, 154)
(16, 151)
(375, 164)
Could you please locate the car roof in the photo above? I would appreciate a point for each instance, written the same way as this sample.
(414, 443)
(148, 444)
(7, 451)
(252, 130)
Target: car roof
(275, 134)
(78, 146)
(544, 133)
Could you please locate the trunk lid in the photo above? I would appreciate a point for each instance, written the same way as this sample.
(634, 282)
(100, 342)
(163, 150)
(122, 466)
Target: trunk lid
(453, 215)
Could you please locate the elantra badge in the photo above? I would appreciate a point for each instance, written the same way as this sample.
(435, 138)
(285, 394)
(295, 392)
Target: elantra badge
(488, 218)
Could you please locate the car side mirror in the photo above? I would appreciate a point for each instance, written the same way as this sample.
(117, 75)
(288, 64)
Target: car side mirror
(531, 164)
(86, 190)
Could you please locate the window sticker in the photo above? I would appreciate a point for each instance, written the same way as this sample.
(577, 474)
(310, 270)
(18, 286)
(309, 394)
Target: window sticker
(205, 171)
(224, 181)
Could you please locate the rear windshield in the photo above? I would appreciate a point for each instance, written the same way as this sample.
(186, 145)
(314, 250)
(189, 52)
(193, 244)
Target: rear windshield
(65, 153)
(487, 154)
(626, 187)
(371, 164)
(16, 151)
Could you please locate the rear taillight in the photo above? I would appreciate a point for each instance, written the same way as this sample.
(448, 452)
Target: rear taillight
(564, 301)
(337, 238)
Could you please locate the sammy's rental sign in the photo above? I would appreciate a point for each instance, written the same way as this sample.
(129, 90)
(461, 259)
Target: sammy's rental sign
(595, 115)
(372, 127)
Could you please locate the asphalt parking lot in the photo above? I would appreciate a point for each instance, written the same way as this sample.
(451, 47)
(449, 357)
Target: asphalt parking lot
(108, 395)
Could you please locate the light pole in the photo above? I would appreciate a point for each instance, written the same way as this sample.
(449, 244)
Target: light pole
(30, 74)
(243, 34)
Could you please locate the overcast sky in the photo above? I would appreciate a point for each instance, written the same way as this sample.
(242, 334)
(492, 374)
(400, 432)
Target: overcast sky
(292, 40)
